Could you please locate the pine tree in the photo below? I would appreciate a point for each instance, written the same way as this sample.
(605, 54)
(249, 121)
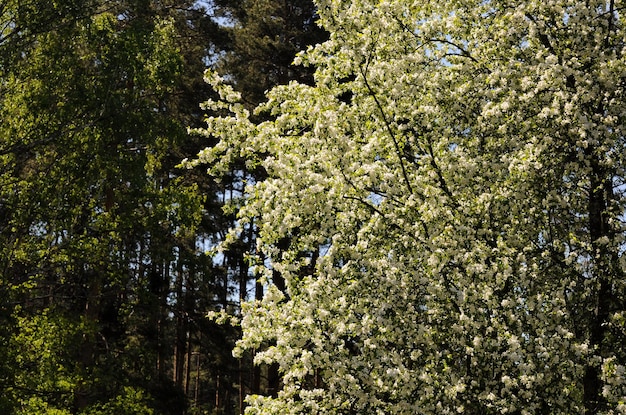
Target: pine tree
(264, 40)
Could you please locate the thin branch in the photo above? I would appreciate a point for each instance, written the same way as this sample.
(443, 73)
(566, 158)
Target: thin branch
(545, 41)
(611, 22)
(371, 207)
(441, 179)
(463, 52)
(389, 130)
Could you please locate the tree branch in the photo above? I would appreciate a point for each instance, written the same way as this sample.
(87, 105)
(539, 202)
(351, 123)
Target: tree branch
(389, 130)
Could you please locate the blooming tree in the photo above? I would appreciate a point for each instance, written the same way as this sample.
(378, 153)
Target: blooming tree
(445, 206)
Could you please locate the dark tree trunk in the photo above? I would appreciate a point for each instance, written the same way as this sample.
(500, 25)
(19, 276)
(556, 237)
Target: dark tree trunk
(600, 196)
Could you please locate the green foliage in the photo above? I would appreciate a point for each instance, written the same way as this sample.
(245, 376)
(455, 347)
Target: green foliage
(103, 282)
(39, 406)
(96, 223)
(130, 401)
(43, 351)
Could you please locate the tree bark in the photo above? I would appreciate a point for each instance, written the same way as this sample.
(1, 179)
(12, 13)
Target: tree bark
(600, 196)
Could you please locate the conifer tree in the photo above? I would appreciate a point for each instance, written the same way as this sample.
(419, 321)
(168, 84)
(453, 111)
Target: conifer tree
(264, 39)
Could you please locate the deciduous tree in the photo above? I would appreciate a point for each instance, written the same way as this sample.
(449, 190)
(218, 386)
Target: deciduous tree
(101, 281)
(460, 167)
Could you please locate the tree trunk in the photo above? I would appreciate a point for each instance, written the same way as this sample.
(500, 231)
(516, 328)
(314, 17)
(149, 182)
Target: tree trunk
(180, 345)
(86, 357)
(600, 196)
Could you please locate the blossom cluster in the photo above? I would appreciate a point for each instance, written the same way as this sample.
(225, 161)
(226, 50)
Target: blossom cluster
(452, 192)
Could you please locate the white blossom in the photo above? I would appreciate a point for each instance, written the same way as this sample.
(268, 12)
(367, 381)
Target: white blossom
(467, 204)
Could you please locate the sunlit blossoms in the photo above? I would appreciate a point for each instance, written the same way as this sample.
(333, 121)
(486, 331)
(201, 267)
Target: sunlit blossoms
(445, 205)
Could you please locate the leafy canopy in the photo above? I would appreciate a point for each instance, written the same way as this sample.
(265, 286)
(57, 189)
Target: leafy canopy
(452, 192)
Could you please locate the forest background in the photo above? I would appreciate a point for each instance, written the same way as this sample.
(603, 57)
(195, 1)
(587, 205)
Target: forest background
(105, 278)
(426, 216)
